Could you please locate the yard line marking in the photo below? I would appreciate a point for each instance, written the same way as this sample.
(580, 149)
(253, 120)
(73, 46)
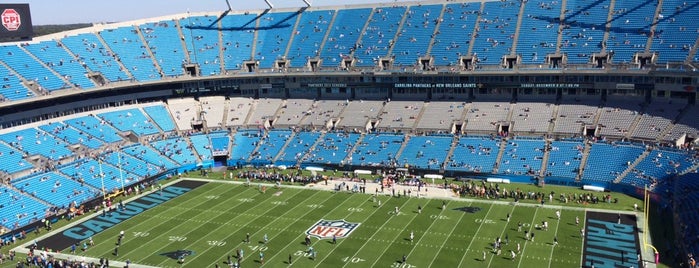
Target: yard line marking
(303, 232)
(194, 229)
(519, 263)
(555, 234)
(259, 229)
(476, 234)
(447, 236)
(343, 240)
(503, 231)
(377, 231)
(204, 200)
(582, 240)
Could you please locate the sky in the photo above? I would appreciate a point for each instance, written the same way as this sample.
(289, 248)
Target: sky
(88, 11)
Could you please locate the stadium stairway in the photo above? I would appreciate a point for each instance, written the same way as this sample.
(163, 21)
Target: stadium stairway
(545, 158)
(354, 148)
(65, 81)
(182, 41)
(561, 26)
(554, 115)
(151, 120)
(226, 108)
(692, 52)
(327, 34)
(293, 34)
(634, 123)
(632, 166)
(501, 152)
(436, 31)
(125, 69)
(402, 146)
(450, 153)
(476, 28)
(389, 53)
(608, 26)
(74, 57)
(253, 48)
(654, 25)
(221, 54)
(419, 115)
(190, 145)
(513, 51)
(150, 52)
(254, 151)
(286, 144)
(366, 25)
(311, 149)
(583, 161)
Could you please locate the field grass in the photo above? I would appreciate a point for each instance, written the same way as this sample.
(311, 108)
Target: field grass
(212, 221)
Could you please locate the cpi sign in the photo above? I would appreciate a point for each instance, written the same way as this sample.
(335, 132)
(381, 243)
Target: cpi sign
(11, 19)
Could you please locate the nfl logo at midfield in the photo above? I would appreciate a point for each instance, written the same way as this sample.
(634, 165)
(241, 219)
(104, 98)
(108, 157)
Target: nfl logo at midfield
(325, 229)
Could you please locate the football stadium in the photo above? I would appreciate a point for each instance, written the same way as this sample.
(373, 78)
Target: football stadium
(445, 133)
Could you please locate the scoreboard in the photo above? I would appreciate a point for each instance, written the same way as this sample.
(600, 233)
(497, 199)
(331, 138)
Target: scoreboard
(16, 22)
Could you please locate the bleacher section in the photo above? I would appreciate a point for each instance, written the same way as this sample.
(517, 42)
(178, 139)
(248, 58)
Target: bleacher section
(89, 170)
(56, 57)
(95, 127)
(12, 160)
(617, 158)
(399, 115)
(441, 115)
(35, 142)
(531, 117)
(168, 53)
(572, 117)
(377, 149)
(308, 36)
(238, 109)
(237, 36)
(30, 69)
(630, 29)
(213, 110)
(658, 166)
(201, 34)
(56, 189)
(343, 35)
(564, 159)
(522, 157)
(132, 52)
(416, 34)
(264, 113)
(455, 32)
(474, 154)
(130, 120)
(293, 112)
(484, 116)
(90, 52)
(273, 34)
(297, 148)
(425, 152)
(156, 161)
(185, 111)
(377, 38)
(334, 148)
(673, 38)
(244, 143)
(495, 31)
(176, 149)
(585, 20)
(323, 111)
(11, 87)
(18, 209)
(270, 146)
(358, 113)
(71, 135)
(539, 30)
(160, 116)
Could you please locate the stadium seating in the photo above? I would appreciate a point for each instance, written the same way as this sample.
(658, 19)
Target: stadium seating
(658, 166)
(160, 117)
(617, 158)
(270, 145)
(156, 161)
(56, 189)
(564, 159)
(672, 38)
(35, 142)
(343, 35)
(496, 31)
(90, 52)
(309, 36)
(57, 58)
(455, 31)
(630, 29)
(273, 34)
(416, 34)
(522, 157)
(425, 152)
(12, 160)
(130, 120)
(539, 30)
(160, 37)
(71, 135)
(297, 148)
(19, 209)
(89, 170)
(177, 149)
(244, 143)
(132, 52)
(95, 127)
(30, 69)
(586, 29)
(377, 38)
(474, 154)
(377, 149)
(11, 87)
(237, 38)
(201, 35)
(334, 148)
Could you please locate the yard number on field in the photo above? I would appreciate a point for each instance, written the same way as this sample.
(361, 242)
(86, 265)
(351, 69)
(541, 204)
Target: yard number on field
(352, 259)
(175, 238)
(216, 243)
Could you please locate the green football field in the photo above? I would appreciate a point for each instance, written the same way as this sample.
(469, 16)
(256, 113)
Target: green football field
(212, 221)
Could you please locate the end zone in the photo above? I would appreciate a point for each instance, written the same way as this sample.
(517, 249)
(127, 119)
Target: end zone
(611, 240)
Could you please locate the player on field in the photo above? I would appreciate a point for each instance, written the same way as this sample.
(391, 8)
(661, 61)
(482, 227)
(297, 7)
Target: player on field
(558, 214)
(555, 240)
(577, 220)
(512, 255)
(412, 236)
(419, 209)
(508, 217)
(265, 239)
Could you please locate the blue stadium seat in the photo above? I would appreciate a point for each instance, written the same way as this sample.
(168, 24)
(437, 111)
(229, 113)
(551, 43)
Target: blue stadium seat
(56, 57)
(273, 35)
(90, 52)
(162, 39)
(30, 69)
(132, 52)
(416, 34)
(343, 35)
(130, 120)
(309, 36)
